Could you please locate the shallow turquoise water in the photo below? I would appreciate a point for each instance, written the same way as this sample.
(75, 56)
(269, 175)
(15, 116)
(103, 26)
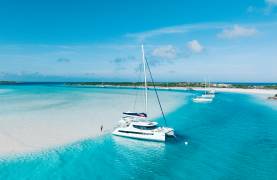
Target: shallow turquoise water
(235, 137)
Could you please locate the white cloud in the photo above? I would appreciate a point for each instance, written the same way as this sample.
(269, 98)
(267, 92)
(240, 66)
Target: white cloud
(195, 47)
(271, 2)
(173, 30)
(270, 6)
(237, 31)
(240, 30)
(167, 52)
(148, 34)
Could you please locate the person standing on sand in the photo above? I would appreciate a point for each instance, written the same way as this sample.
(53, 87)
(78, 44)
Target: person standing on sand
(101, 128)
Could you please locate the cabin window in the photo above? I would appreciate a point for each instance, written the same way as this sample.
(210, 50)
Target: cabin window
(131, 132)
(145, 127)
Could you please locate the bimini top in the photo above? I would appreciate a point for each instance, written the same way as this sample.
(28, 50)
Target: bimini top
(145, 123)
(135, 114)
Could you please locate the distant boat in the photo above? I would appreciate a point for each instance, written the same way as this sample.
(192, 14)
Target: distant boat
(136, 125)
(209, 93)
(102, 85)
(167, 87)
(208, 96)
(202, 99)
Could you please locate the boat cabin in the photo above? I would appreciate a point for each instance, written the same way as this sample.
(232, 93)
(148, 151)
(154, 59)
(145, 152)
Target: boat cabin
(145, 125)
(135, 114)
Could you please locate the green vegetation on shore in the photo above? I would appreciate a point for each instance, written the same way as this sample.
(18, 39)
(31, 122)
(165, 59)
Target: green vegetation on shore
(159, 84)
(174, 84)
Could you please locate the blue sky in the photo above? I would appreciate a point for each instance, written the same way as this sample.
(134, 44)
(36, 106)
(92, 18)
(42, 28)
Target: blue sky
(185, 40)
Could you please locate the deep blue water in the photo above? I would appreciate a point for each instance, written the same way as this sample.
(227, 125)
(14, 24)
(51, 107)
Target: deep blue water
(234, 137)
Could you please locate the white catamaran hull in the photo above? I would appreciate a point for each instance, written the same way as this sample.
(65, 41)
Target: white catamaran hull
(151, 136)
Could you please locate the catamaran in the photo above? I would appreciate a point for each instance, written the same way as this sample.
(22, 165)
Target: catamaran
(137, 125)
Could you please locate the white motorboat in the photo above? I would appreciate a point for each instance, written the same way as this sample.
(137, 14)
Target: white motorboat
(136, 125)
(201, 99)
(208, 95)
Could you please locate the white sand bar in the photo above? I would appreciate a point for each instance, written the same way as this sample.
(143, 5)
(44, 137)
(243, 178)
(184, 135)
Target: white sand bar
(234, 90)
(248, 91)
(33, 121)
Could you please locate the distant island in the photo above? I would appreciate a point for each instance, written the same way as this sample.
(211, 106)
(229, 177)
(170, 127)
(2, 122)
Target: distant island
(178, 84)
(188, 85)
(269, 89)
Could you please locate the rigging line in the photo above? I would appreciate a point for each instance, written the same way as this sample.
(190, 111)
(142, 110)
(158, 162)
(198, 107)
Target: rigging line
(150, 73)
(137, 88)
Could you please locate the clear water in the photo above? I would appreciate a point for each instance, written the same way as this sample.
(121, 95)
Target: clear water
(234, 137)
(35, 117)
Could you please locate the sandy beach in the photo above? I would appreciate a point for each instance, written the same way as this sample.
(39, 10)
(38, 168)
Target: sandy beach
(231, 90)
(31, 122)
(240, 90)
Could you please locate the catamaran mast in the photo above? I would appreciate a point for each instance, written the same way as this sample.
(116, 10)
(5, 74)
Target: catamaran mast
(153, 83)
(145, 78)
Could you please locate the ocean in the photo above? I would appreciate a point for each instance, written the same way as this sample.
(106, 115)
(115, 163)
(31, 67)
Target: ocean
(234, 137)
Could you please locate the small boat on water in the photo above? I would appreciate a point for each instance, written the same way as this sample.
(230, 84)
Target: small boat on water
(208, 96)
(201, 99)
(209, 93)
(137, 125)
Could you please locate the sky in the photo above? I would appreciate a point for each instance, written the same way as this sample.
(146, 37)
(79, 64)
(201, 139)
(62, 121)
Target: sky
(100, 40)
